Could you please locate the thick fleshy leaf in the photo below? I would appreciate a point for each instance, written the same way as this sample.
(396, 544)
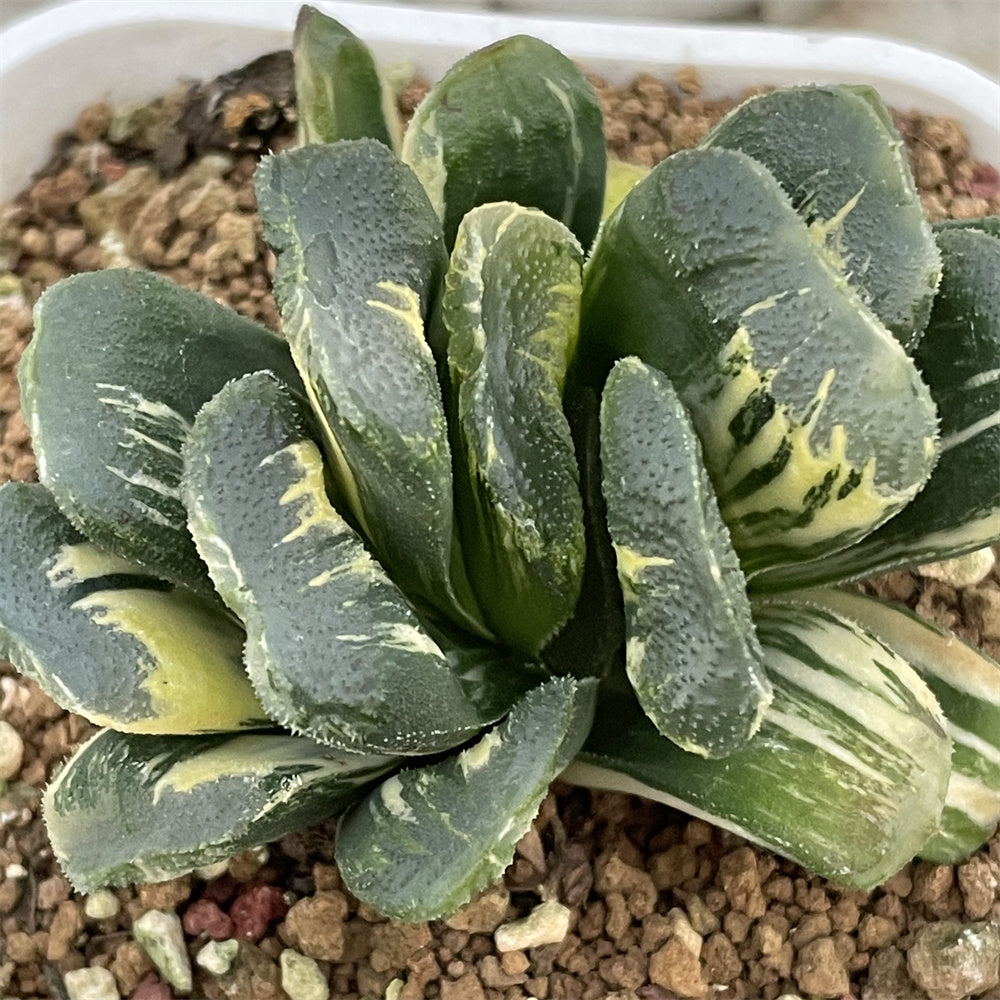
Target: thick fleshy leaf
(108, 641)
(148, 808)
(847, 774)
(515, 121)
(428, 839)
(338, 91)
(120, 362)
(691, 652)
(967, 686)
(958, 510)
(361, 259)
(333, 649)
(815, 424)
(621, 178)
(511, 310)
(838, 156)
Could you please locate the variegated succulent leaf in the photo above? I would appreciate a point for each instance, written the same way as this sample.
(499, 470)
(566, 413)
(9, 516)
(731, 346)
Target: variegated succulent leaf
(691, 652)
(966, 684)
(511, 313)
(361, 260)
(958, 510)
(333, 649)
(339, 93)
(105, 639)
(515, 121)
(847, 774)
(427, 839)
(149, 808)
(815, 425)
(120, 362)
(838, 156)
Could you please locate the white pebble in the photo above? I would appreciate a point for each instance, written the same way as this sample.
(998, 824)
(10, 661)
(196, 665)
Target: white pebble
(547, 923)
(11, 750)
(393, 990)
(962, 571)
(15, 871)
(92, 983)
(208, 872)
(301, 977)
(101, 905)
(680, 927)
(217, 957)
(162, 938)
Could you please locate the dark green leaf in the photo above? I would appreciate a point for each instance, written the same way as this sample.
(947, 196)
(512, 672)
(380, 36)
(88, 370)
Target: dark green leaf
(428, 839)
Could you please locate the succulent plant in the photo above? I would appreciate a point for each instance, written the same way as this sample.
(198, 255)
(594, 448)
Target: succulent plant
(520, 492)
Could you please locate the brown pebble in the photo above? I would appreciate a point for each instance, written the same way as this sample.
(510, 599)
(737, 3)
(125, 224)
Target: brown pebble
(483, 914)
(819, 971)
(676, 968)
(66, 926)
(467, 987)
(53, 891)
(56, 196)
(165, 895)
(93, 121)
(315, 926)
(978, 880)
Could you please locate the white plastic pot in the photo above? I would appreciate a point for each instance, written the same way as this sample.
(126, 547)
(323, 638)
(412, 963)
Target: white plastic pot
(59, 61)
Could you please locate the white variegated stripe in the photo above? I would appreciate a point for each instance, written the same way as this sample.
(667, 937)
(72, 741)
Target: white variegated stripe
(818, 736)
(145, 439)
(153, 514)
(934, 653)
(572, 183)
(973, 798)
(956, 438)
(593, 776)
(147, 482)
(980, 380)
(990, 752)
(867, 692)
(154, 411)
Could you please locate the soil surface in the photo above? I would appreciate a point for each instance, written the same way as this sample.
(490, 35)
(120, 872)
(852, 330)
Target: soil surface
(624, 899)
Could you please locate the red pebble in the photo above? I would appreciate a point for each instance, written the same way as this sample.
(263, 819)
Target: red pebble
(255, 908)
(151, 988)
(221, 890)
(984, 182)
(205, 917)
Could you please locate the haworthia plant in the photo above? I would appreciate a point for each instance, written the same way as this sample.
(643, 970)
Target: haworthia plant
(437, 532)
(511, 315)
(815, 424)
(860, 203)
(691, 652)
(148, 808)
(516, 121)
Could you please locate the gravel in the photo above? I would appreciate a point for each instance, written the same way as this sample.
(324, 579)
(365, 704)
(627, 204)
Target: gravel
(609, 896)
